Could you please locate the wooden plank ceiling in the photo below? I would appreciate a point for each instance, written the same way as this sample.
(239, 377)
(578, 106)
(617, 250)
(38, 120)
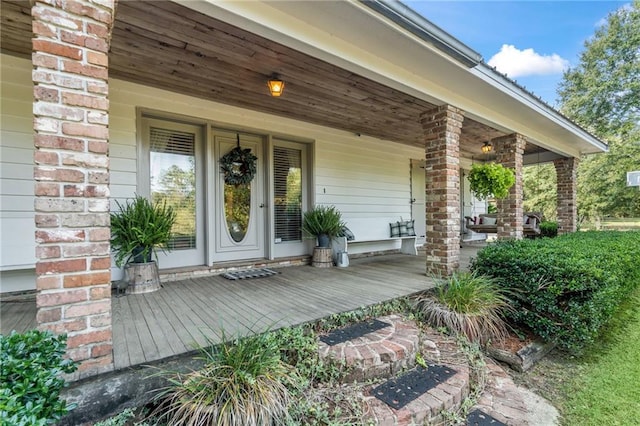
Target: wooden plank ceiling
(168, 46)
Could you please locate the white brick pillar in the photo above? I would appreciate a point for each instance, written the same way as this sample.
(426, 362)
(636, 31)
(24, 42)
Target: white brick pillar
(567, 172)
(70, 67)
(442, 127)
(509, 152)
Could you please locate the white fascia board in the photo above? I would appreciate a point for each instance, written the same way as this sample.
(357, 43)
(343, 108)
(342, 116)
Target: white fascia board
(380, 50)
(590, 143)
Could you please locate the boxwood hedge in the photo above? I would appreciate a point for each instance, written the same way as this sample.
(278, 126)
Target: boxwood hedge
(565, 289)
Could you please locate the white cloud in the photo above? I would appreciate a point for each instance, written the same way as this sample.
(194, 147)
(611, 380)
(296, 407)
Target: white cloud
(517, 63)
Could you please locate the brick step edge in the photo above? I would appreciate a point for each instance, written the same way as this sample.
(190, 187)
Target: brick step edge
(380, 354)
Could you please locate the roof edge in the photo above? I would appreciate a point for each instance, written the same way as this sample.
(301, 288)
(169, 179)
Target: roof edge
(418, 25)
(552, 113)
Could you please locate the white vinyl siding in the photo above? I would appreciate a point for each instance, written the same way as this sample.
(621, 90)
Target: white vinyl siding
(366, 179)
(16, 170)
(362, 176)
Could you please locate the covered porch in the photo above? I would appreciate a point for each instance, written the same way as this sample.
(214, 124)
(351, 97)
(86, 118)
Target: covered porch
(185, 314)
(362, 78)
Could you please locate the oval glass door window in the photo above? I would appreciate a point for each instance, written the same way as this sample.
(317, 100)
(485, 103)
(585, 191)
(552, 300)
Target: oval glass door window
(237, 209)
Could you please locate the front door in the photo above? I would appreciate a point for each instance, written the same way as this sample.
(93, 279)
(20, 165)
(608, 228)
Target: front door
(418, 189)
(239, 208)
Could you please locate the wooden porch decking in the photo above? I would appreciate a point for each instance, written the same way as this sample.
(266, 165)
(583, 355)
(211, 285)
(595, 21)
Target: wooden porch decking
(186, 314)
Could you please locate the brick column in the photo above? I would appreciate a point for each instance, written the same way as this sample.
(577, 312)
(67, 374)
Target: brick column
(509, 151)
(442, 127)
(567, 171)
(73, 268)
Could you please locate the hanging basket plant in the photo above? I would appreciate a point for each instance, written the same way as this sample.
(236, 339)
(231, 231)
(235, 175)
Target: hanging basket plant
(491, 180)
(238, 166)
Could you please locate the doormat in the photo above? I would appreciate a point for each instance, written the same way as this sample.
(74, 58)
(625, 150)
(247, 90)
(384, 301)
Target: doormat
(249, 273)
(351, 332)
(478, 418)
(399, 392)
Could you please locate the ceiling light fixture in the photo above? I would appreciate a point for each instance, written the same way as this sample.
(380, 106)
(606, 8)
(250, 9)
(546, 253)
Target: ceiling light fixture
(487, 147)
(276, 85)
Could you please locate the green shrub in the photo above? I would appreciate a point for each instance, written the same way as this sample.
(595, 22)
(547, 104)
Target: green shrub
(30, 382)
(467, 304)
(549, 229)
(565, 289)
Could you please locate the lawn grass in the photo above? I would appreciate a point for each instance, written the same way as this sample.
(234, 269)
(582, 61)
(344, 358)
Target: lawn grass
(607, 390)
(602, 387)
(613, 224)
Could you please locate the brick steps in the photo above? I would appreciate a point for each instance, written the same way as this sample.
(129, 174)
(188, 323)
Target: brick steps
(388, 352)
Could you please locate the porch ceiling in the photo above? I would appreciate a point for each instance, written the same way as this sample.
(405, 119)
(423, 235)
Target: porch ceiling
(168, 46)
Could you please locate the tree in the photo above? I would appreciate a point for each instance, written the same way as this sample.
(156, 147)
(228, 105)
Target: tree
(602, 94)
(539, 187)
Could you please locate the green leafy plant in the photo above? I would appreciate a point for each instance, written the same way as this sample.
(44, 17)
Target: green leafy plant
(566, 288)
(120, 419)
(243, 382)
(138, 228)
(322, 220)
(30, 383)
(549, 229)
(491, 180)
(467, 304)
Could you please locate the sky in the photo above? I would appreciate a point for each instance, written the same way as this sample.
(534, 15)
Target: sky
(531, 41)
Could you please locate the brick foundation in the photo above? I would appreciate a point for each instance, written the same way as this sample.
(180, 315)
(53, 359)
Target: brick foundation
(567, 171)
(442, 127)
(509, 151)
(73, 277)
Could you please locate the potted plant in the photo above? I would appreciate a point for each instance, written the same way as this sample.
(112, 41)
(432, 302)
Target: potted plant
(323, 223)
(491, 180)
(138, 228)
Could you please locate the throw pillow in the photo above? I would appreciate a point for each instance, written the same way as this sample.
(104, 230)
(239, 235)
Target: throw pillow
(489, 220)
(394, 227)
(407, 228)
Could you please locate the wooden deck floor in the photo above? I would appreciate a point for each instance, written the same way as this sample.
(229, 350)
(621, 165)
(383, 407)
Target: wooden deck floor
(185, 314)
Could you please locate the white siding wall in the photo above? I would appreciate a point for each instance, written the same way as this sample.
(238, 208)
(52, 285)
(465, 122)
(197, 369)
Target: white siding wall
(362, 176)
(471, 207)
(17, 252)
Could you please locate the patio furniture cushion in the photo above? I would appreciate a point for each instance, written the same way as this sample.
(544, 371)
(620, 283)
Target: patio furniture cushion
(404, 228)
(489, 220)
(394, 228)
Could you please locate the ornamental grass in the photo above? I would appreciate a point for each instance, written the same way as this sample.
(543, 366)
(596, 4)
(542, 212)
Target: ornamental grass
(242, 383)
(467, 304)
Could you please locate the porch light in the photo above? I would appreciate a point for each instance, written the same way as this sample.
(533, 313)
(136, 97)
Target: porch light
(276, 86)
(487, 147)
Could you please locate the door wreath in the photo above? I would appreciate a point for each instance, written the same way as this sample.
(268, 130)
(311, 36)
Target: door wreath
(238, 165)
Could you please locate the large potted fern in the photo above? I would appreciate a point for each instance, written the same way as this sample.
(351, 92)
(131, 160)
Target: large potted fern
(322, 223)
(138, 229)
